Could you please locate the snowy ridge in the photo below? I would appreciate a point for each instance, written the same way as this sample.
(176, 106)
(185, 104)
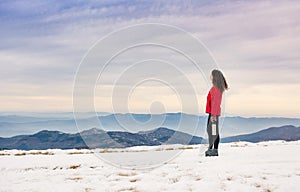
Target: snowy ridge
(242, 166)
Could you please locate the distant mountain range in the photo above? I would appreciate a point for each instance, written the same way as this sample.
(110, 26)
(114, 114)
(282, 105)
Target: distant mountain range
(97, 138)
(12, 125)
(287, 133)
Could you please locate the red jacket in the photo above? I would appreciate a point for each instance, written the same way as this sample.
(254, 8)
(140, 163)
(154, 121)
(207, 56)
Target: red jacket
(213, 104)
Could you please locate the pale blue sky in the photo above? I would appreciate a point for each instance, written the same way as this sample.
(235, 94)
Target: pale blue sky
(256, 44)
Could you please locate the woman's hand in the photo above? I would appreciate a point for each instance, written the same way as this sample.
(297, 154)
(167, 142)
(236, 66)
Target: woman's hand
(213, 118)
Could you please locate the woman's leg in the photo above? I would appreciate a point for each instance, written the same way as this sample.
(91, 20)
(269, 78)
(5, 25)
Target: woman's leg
(209, 132)
(217, 139)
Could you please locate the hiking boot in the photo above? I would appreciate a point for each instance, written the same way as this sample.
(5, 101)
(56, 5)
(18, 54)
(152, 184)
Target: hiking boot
(211, 152)
(215, 152)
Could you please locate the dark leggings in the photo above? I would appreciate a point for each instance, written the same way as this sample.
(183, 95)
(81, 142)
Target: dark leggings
(213, 139)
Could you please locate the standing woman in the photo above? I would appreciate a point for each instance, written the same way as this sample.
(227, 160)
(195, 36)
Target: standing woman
(213, 108)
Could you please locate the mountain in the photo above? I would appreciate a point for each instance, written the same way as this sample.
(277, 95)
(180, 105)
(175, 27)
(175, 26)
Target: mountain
(12, 125)
(163, 135)
(96, 138)
(43, 140)
(287, 133)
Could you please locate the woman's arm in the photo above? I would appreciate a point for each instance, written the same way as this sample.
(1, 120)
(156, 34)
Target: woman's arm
(216, 97)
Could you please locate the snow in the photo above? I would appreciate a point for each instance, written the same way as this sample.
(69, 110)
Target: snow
(266, 166)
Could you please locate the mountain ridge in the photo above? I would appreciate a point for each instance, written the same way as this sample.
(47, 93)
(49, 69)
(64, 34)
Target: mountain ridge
(98, 138)
(287, 133)
(231, 125)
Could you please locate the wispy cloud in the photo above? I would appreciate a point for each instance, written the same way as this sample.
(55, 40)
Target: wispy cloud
(256, 44)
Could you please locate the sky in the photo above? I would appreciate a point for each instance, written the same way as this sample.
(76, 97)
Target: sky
(255, 43)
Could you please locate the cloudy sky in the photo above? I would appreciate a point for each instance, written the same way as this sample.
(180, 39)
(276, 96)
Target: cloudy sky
(255, 43)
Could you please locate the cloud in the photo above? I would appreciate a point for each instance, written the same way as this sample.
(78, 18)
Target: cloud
(256, 43)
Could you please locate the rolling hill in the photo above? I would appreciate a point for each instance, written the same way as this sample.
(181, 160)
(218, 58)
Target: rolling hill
(97, 138)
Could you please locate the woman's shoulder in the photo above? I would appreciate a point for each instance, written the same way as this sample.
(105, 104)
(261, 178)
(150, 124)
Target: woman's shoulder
(215, 89)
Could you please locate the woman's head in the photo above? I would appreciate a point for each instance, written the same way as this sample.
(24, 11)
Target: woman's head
(219, 80)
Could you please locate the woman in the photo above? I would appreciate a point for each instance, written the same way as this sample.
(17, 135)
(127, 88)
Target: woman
(214, 99)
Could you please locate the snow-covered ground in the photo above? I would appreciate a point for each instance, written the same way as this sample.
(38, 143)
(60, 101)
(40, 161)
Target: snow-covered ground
(266, 166)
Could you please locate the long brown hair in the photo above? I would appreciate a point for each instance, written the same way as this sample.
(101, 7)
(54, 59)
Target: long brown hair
(219, 80)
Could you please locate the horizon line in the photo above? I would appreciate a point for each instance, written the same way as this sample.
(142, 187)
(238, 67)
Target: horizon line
(123, 113)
